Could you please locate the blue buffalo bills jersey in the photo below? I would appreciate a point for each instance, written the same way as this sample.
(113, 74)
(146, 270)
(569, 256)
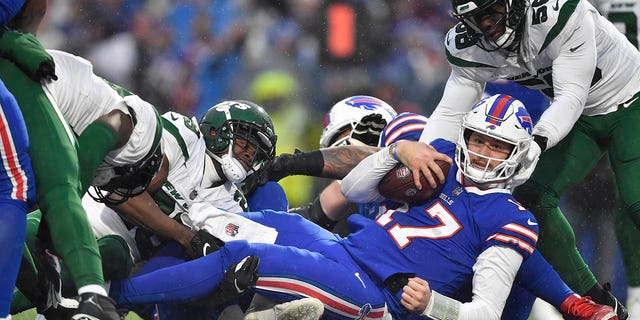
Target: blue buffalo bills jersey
(440, 240)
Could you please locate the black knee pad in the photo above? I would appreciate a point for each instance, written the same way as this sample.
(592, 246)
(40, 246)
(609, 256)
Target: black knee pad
(116, 257)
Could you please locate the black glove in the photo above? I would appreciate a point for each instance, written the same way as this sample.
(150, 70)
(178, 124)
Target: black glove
(301, 163)
(368, 130)
(203, 243)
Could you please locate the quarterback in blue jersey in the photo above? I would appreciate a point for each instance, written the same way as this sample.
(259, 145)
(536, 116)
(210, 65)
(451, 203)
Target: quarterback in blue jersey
(468, 243)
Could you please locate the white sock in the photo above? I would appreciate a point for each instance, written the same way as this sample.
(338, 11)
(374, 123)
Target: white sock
(6, 318)
(633, 302)
(93, 288)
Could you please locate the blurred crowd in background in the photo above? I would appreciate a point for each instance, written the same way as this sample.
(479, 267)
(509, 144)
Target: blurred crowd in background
(296, 58)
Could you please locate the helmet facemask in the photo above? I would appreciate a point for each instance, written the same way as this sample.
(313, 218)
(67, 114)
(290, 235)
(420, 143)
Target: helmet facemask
(507, 15)
(505, 169)
(234, 123)
(126, 181)
(238, 132)
(505, 119)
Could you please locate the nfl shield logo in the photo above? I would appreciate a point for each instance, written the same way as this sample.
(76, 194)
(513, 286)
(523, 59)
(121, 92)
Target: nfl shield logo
(231, 229)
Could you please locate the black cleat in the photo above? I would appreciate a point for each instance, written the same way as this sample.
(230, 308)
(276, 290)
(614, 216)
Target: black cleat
(94, 306)
(620, 309)
(49, 281)
(237, 279)
(65, 309)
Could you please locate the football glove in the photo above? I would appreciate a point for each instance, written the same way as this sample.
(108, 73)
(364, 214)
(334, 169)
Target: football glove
(367, 131)
(527, 166)
(203, 243)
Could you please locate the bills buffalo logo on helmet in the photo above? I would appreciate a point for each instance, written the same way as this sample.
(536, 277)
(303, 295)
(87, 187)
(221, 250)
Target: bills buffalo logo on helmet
(525, 119)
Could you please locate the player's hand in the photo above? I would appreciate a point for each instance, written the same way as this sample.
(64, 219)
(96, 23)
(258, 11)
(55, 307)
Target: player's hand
(527, 166)
(367, 131)
(203, 243)
(276, 169)
(420, 158)
(416, 295)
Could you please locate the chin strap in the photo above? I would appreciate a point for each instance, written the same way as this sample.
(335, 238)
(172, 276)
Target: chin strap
(231, 167)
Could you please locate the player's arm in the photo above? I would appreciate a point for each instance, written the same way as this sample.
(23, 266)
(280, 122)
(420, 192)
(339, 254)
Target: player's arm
(573, 71)
(494, 272)
(327, 208)
(30, 15)
(143, 211)
(459, 95)
(333, 163)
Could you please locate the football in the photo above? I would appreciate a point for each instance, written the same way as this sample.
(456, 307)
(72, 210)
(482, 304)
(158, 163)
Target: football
(398, 185)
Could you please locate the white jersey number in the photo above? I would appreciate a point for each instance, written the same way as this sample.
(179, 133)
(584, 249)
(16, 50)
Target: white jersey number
(403, 235)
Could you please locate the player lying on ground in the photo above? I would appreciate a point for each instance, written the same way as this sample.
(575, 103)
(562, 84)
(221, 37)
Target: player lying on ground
(357, 276)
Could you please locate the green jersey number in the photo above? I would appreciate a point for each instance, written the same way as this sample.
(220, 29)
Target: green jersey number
(630, 22)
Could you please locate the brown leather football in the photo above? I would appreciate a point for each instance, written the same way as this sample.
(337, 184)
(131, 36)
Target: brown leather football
(398, 185)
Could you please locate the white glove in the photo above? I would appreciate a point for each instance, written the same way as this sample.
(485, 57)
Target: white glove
(527, 165)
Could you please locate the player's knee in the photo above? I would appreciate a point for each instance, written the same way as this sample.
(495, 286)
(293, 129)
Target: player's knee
(116, 257)
(536, 197)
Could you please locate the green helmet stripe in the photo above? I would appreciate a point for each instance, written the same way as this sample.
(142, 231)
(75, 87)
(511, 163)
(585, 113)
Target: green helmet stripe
(173, 130)
(565, 13)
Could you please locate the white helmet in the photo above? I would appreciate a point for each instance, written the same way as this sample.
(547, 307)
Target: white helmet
(345, 114)
(501, 117)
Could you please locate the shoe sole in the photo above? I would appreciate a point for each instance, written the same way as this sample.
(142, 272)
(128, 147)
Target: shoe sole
(303, 309)
(81, 316)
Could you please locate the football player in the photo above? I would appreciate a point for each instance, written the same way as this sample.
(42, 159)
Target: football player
(624, 15)
(356, 120)
(589, 71)
(476, 225)
(202, 165)
(17, 194)
(112, 153)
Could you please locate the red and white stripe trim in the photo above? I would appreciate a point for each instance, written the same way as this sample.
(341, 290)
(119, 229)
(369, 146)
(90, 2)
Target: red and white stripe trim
(330, 301)
(522, 230)
(512, 240)
(11, 161)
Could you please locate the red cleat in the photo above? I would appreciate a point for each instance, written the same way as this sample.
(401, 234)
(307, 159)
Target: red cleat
(577, 308)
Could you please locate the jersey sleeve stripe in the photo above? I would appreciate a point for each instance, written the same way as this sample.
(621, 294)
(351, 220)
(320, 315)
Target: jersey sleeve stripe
(523, 245)
(417, 127)
(522, 230)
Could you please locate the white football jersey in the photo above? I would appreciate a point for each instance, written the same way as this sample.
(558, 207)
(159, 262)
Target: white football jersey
(82, 97)
(185, 149)
(568, 51)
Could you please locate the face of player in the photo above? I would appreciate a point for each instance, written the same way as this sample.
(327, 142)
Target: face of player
(244, 151)
(491, 21)
(482, 146)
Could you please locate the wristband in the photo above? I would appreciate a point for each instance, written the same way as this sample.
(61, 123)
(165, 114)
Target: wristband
(394, 154)
(441, 307)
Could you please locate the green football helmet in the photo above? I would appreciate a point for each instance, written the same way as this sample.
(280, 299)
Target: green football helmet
(232, 119)
(471, 13)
